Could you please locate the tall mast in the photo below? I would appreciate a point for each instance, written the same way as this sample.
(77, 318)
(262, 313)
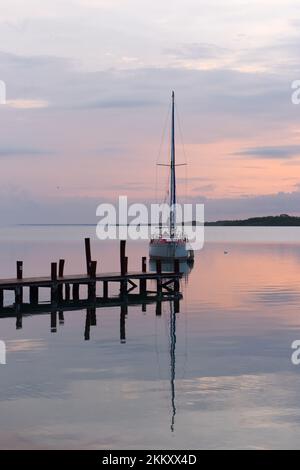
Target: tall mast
(172, 179)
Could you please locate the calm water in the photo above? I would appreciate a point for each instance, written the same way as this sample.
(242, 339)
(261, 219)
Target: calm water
(234, 384)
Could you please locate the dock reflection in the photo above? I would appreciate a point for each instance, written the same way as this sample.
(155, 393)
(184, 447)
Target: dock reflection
(57, 316)
(170, 299)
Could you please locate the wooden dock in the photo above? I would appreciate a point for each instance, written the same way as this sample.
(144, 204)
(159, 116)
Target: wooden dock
(65, 289)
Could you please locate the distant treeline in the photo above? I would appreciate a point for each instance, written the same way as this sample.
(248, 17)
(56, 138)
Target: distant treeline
(282, 220)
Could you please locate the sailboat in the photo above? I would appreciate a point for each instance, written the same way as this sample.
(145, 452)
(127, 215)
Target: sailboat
(173, 245)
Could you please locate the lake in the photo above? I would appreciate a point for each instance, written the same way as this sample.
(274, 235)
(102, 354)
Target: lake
(216, 375)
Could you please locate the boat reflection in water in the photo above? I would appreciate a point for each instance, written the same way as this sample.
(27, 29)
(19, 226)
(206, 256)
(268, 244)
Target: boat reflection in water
(185, 266)
(172, 362)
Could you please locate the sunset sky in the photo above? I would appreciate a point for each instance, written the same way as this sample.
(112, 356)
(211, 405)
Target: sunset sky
(88, 89)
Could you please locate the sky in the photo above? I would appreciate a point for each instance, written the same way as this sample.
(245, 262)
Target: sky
(88, 92)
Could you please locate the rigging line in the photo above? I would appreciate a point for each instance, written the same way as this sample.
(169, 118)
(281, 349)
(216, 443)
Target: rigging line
(183, 149)
(160, 149)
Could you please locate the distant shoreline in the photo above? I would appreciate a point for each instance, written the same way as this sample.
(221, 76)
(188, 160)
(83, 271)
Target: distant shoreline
(282, 220)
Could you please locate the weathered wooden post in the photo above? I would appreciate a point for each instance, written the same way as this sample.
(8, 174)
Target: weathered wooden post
(61, 317)
(19, 269)
(88, 256)
(92, 285)
(123, 283)
(67, 292)
(143, 282)
(144, 264)
(33, 295)
(158, 266)
(76, 291)
(176, 306)
(18, 298)
(53, 272)
(105, 290)
(19, 277)
(61, 266)
(122, 257)
(143, 286)
(54, 283)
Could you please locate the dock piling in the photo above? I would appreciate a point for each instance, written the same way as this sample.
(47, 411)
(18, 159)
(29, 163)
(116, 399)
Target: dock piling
(122, 257)
(67, 292)
(33, 295)
(18, 295)
(88, 255)
(53, 271)
(93, 317)
(61, 266)
(158, 266)
(123, 263)
(19, 269)
(76, 292)
(92, 285)
(105, 290)
(19, 277)
(54, 285)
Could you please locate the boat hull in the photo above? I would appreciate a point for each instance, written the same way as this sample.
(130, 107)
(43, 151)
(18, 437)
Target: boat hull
(167, 250)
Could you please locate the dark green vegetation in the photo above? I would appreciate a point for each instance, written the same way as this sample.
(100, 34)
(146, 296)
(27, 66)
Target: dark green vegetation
(282, 220)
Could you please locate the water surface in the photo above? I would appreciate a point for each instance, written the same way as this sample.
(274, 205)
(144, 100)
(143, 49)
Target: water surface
(225, 380)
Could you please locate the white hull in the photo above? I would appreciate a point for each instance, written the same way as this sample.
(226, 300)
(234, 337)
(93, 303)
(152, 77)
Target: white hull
(160, 249)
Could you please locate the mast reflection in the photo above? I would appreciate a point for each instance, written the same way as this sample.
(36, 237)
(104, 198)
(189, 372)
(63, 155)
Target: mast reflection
(173, 361)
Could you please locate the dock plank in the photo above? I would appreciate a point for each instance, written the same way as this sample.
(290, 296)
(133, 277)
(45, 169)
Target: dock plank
(46, 281)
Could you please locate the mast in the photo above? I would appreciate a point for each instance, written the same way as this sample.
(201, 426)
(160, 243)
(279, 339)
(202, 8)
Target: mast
(172, 179)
